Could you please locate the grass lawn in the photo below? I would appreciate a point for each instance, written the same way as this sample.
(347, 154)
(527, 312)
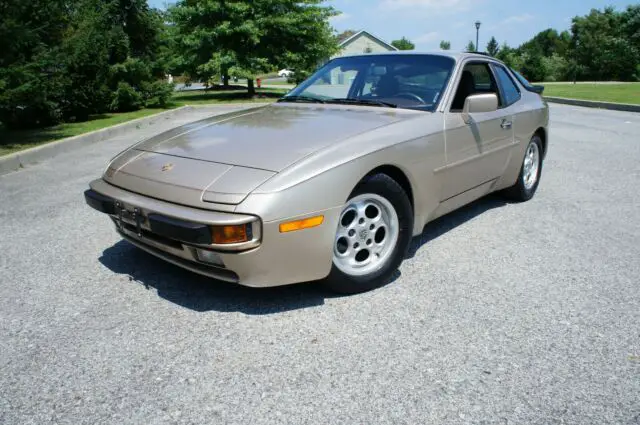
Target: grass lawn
(278, 83)
(268, 75)
(14, 141)
(200, 97)
(619, 93)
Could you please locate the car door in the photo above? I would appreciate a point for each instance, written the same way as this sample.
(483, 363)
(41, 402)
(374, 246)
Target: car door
(476, 152)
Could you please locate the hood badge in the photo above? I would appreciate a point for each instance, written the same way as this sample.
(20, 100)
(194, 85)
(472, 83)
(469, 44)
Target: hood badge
(167, 167)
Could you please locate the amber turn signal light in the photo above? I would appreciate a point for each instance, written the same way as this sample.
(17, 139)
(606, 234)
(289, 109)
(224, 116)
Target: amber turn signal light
(224, 235)
(307, 223)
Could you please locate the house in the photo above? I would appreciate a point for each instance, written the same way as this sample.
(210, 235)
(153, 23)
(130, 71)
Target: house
(363, 42)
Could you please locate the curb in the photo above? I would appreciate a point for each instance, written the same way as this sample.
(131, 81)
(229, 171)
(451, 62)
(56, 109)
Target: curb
(16, 161)
(626, 107)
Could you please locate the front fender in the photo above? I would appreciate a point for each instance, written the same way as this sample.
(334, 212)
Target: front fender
(326, 179)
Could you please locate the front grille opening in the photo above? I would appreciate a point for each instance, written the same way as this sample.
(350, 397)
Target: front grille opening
(153, 237)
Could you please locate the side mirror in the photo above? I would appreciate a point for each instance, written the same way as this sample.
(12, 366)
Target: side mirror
(478, 103)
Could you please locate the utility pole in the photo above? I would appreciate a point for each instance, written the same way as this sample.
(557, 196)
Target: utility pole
(478, 23)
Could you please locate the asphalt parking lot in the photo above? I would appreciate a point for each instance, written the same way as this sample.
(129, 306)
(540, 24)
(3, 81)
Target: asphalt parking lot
(504, 314)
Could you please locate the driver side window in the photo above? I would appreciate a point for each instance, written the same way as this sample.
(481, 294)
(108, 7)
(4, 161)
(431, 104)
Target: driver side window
(476, 79)
(421, 85)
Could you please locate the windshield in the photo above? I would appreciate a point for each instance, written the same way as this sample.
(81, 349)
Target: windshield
(403, 81)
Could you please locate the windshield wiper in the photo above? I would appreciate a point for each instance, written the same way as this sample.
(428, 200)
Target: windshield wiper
(351, 101)
(302, 98)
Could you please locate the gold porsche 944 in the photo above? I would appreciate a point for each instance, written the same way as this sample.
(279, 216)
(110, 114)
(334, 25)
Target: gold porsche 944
(332, 181)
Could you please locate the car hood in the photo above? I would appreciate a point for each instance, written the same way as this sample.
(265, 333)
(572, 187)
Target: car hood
(223, 158)
(269, 138)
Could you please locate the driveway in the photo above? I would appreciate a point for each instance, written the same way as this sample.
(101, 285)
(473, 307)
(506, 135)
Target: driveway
(504, 314)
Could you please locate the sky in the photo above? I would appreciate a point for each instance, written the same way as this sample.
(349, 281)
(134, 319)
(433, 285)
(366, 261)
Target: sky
(427, 22)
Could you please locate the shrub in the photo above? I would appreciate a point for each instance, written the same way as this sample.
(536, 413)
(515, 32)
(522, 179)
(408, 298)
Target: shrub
(126, 98)
(556, 68)
(26, 99)
(132, 71)
(158, 93)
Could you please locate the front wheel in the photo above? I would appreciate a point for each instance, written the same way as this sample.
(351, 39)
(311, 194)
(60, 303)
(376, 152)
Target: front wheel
(530, 173)
(373, 236)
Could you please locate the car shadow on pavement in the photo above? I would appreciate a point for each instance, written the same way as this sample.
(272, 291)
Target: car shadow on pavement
(200, 293)
(442, 225)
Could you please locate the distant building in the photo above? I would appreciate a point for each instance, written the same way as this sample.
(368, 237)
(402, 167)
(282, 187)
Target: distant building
(363, 42)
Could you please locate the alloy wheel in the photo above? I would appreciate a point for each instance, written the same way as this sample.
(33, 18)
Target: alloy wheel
(531, 166)
(367, 235)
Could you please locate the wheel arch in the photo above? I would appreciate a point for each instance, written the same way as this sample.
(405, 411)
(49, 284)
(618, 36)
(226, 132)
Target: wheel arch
(542, 133)
(399, 176)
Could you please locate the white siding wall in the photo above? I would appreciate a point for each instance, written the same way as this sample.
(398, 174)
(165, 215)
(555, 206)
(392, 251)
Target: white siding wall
(340, 82)
(360, 44)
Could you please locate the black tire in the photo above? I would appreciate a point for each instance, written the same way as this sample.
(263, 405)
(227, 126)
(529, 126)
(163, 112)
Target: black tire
(519, 192)
(384, 186)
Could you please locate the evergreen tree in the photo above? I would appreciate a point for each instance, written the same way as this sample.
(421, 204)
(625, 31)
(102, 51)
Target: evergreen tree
(471, 47)
(492, 47)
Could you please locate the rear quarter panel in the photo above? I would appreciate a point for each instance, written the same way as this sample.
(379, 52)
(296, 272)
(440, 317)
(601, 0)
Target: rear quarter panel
(530, 113)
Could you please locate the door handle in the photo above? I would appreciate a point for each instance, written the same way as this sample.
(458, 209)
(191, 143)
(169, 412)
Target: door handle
(506, 125)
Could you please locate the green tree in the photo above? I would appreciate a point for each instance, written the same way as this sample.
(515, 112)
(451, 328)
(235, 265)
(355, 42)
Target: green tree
(631, 25)
(493, 47)
(403, 44)
(64, 59)
(548, 42)
(240, 38)
(30, 36)
(471, 47)
(563, 44)
(532, 67)
(445, 45)
(114, 42)
(504, 52)
(605, 44)
(556, 68)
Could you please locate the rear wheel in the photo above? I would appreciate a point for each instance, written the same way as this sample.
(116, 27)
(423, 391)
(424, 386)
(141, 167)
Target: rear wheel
(530, 173)
(373, 236)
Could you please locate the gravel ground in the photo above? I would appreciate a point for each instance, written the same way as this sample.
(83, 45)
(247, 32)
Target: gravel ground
(504, 314)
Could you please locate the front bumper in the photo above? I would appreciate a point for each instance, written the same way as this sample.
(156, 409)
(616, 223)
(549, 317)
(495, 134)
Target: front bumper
(270, 258)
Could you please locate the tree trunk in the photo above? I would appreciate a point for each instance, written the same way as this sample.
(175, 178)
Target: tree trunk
(225, 80)
(251, 87)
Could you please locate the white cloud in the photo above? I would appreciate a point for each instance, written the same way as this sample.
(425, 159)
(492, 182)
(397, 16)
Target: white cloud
(440, 5)
(339, 18)
(517, 19)
(426, 38)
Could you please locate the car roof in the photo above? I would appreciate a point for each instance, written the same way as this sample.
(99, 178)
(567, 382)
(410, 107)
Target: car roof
(445, 53)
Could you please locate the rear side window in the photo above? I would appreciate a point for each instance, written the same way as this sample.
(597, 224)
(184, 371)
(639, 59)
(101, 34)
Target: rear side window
(510, 92)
